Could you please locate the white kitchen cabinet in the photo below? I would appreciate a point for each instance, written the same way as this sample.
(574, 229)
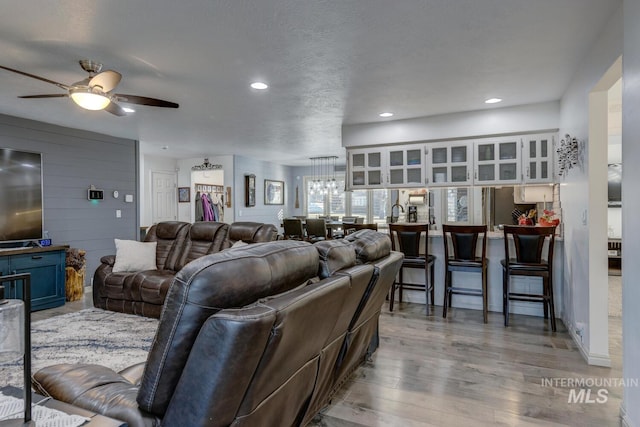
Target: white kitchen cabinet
(449, 163)
(366, 167)
(537, 158)
(405, 165)
(497, 161)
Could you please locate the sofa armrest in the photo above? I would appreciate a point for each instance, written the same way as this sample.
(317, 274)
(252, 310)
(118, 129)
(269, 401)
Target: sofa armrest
(108, 259)
(133, 373)
(94, 388)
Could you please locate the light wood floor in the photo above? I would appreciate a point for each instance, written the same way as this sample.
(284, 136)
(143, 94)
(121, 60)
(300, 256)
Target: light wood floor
(431, 371)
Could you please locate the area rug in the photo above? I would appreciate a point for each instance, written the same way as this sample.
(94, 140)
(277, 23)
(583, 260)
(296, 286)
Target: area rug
(115, 340)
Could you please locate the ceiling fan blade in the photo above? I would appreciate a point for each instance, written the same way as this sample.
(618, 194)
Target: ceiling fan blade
(115, 109)
(107, 80)
(33, 76)
(143, 100)
(56, 95)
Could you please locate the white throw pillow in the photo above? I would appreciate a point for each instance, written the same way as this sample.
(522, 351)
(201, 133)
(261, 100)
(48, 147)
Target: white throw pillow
(239, 243)
(135, 256)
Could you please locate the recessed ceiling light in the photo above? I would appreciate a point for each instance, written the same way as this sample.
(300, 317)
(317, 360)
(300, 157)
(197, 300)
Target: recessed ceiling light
(128, 110)
(259, 85)
(492, 100)
(386, 114)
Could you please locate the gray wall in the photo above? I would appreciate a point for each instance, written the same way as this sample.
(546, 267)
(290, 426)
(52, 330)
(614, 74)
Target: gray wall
(72, 161)
(630, 209)
(262, 170)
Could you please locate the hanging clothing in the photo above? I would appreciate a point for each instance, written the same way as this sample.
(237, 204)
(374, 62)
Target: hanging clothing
(206, 207)
(220, 206)
(199, 210)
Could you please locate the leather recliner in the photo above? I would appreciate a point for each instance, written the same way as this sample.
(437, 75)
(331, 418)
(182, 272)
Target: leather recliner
(178, 243)
(259, 335)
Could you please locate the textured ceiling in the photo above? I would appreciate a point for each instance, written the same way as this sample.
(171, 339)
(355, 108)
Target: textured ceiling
(328, 63)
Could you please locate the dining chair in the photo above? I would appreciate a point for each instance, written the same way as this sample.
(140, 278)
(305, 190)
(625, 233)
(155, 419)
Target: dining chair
(352, 228)
(463, 239)
(316, 230)
(349, 219)
(408, 238)
(293, 228)
(529, 243)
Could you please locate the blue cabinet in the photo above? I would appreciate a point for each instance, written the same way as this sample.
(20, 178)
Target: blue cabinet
(47, 268)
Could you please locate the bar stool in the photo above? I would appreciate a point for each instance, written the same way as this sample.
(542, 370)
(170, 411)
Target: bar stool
(406, 238)
(529, 243)
(464, 239)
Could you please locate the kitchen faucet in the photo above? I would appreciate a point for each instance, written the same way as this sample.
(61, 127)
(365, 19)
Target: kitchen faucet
(394, 218)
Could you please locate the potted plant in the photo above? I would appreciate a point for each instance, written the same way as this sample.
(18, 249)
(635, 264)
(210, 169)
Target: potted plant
(527, 218)
(548, 219)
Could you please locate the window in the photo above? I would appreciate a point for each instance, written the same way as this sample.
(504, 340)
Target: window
(379, 204)
(369, 204)
(457, 205)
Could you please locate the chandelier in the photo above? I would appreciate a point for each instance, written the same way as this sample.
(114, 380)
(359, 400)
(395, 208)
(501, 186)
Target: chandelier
(206, 166)
(324, 175)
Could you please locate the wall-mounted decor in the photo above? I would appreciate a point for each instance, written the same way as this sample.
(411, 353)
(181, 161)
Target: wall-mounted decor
(568, 154)
(228, 197)
(249, 190)
(184, 194)
(273, 192)
(206, 166)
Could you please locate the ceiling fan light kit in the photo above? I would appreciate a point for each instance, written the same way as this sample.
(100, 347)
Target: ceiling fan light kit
(95, 92)
(89, 99)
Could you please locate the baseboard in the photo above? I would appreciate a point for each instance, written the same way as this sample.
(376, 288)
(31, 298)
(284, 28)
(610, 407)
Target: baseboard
(591, 358)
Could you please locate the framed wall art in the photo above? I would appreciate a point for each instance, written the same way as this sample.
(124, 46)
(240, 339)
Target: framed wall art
(249, 190)
(184, 194)
(273, 192)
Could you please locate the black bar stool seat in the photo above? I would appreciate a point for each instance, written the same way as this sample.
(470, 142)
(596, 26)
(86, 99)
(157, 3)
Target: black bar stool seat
(464, 239)
(407, 238)
(529, 243)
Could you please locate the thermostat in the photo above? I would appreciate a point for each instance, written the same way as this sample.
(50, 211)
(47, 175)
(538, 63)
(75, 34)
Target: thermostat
(95, 194)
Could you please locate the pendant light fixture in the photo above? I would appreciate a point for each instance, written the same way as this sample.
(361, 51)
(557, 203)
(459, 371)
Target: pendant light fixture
(324, 175)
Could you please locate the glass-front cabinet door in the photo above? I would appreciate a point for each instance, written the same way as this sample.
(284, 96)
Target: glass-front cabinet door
(497, 161)
(449, 163)
(366, 168)
(537, 154)
(405, 166)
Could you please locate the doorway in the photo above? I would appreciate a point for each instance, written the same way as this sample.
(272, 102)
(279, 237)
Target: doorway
(598, 147)
(163, 191)
(614, 210)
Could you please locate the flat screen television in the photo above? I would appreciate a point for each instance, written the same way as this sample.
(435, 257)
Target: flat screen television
(21, 214)
(615, 184)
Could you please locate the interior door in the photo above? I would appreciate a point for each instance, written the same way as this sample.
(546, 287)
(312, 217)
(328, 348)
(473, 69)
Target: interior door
(163, 194)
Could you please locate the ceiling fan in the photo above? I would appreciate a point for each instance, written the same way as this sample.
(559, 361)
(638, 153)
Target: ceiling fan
(96, 91)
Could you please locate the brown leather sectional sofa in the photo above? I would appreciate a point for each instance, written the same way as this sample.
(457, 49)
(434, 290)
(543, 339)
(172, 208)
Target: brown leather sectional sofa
(178, 243)
(261, 335)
